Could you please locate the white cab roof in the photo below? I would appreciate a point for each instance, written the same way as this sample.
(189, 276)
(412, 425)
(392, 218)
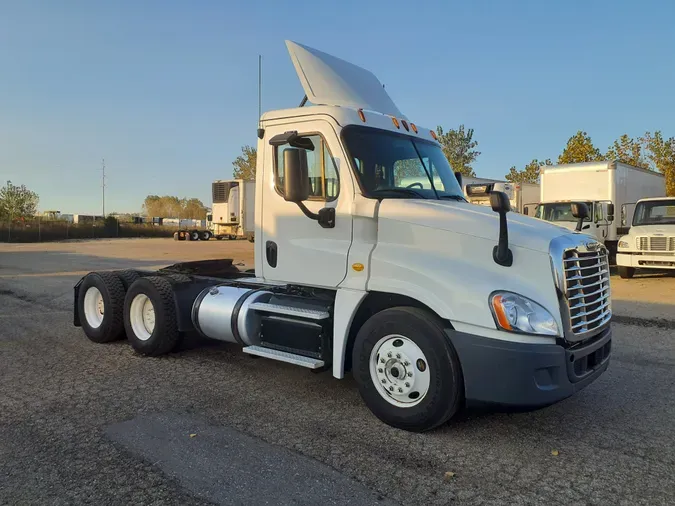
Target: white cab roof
(328, 80)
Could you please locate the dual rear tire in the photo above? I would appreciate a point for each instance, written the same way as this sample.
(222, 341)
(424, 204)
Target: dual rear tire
(112, 305)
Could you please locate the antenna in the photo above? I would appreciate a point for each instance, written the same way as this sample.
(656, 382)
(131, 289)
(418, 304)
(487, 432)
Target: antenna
(261, 132)
(259, 86)
(103, 184)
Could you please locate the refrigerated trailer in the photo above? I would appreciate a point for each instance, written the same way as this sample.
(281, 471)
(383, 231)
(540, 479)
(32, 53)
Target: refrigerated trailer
(606, 187)
(429, 302)
(232, 214)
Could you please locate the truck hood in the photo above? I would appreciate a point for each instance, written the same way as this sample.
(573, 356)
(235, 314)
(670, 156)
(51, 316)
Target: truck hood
(473, 220)
(649, 230)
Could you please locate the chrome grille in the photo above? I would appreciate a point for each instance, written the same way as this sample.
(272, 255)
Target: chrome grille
(656, 243)
(587, 289)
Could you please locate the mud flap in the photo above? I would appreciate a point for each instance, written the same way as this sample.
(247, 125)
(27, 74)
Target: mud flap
(76, 313)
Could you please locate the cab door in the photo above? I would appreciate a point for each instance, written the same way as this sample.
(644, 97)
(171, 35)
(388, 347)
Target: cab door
(295, 248)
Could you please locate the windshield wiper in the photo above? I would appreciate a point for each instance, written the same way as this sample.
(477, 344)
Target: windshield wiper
(452, 197)
(407, 191)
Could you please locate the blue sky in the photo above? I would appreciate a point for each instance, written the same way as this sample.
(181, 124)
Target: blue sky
(166, 91)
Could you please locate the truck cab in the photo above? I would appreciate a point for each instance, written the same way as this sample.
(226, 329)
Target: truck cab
(369, 261)
(650, 242)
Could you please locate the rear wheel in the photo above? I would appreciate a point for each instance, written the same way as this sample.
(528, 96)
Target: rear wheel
(100, 305)
(194, 235)
(205, 235)
(127, 277)
(182, 235)
(626, 272)
(150, 316)
(408, 374)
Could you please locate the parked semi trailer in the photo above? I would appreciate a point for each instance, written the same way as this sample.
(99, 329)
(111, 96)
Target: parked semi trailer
(232, 213)
(432, 303)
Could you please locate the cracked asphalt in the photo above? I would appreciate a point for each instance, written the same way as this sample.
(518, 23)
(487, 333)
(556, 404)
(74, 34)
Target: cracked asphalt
(82, 423)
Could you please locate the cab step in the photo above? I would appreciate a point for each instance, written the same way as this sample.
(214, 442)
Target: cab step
(298, 312)
(283, 356)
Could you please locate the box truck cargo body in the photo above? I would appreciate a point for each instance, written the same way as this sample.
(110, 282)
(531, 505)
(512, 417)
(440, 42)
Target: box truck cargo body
(607, 187)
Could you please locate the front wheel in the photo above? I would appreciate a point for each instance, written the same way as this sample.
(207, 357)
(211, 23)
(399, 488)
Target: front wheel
(407, 371)
(626, 272)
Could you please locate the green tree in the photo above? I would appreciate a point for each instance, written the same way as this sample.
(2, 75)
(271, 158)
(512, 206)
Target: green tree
(661, 154)
(530, 174)
(580, 148)
(627, 150)
(17, 202)
(244, 164)
(459, 148)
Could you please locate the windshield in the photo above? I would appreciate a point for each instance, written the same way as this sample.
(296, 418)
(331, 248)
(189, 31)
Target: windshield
(560, 211)
(392, 165)
(654, 212)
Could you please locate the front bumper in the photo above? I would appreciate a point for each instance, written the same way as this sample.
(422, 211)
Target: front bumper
(646, 261)
(528, 375)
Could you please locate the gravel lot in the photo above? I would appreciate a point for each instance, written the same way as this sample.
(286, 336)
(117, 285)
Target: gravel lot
(86, 423)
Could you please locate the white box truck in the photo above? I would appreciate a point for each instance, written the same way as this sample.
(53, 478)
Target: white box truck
(432, 303)
(650, 242)
(606, 187)
(524, 197)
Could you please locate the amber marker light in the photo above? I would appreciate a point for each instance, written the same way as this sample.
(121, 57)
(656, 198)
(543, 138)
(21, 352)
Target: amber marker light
(498, 308)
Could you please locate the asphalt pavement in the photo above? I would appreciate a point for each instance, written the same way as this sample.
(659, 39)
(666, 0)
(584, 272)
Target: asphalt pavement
(82, 423)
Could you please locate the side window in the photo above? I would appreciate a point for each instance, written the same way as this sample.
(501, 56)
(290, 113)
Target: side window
(324, 183)
(599, 215)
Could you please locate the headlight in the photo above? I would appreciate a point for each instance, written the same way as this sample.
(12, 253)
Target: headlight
(516, 313)
(623, 244)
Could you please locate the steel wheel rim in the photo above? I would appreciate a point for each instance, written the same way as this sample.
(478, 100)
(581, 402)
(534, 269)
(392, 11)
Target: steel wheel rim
(94, 307)
(400, 371)
(142, 317)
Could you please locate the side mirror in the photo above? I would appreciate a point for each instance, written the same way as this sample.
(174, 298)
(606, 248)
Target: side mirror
(458, 175)
(296, 175)
(580, 212)
(610, 212)
(500, 202)
(501, 253)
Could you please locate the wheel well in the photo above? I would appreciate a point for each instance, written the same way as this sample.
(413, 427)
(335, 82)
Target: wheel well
(374, 303)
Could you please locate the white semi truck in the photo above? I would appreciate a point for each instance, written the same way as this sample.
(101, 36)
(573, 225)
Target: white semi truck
(650, 242)
(523, 197)
(604, 187)
(432, 303)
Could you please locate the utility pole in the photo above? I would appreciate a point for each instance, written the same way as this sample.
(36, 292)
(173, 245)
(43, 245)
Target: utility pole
(103, 185)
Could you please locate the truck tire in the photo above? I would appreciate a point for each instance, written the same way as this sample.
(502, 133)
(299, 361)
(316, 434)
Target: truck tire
(194, 235)
(407, 371)
(626, 272)
(127, 277)
(205, 235)
(100, 305)
(150, 316)
(175, 236)
(181, 235)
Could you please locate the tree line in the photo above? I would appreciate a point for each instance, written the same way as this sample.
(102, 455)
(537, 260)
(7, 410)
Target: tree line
(651, 151)
(174, 207)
